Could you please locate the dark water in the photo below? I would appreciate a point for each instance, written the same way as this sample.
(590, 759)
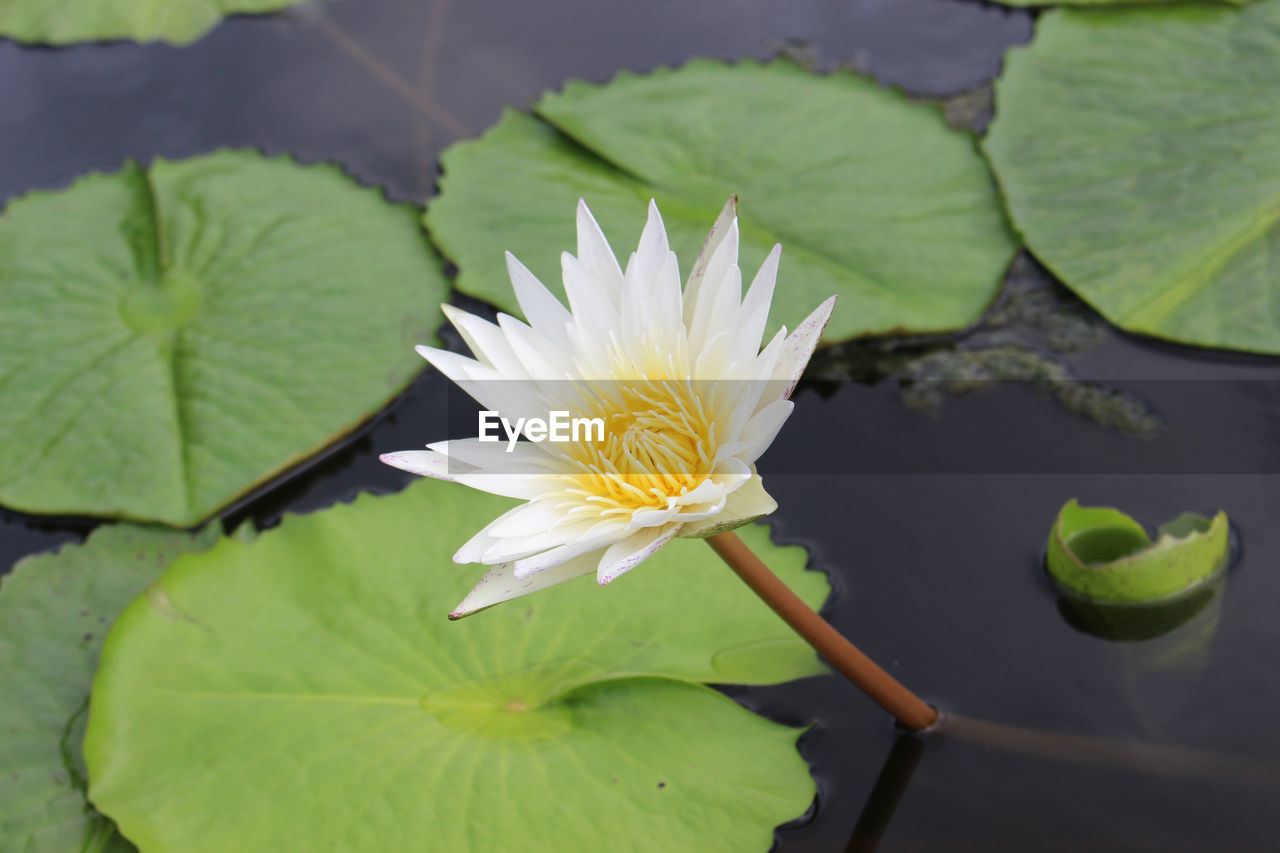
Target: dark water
(1158, 744)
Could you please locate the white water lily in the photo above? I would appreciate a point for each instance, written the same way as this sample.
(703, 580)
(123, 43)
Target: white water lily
(688, 397)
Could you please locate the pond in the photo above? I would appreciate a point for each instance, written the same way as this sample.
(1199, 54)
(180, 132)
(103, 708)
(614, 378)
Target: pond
(931, 524)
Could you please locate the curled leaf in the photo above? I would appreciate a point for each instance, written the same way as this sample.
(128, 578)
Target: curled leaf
(1104, 555)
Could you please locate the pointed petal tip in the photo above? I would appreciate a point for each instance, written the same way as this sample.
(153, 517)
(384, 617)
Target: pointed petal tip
(395, 460)
(405, 463)
(515, 268)
(462, 611)
(828, 307)
(586, 219)
(454, 314)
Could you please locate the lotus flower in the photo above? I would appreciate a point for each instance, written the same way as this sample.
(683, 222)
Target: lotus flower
(687, 397)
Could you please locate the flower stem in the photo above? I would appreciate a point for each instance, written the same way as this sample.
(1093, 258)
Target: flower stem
(908, 709)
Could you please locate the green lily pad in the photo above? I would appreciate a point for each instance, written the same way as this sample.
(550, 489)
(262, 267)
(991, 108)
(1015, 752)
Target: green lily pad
(54, 612)
(57, 22)
(308, 690)
(174, 336)
(1104, 555)
(872, 196)
(1136, 150)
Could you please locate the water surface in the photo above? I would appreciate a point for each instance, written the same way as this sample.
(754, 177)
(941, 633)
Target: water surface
(931, 526)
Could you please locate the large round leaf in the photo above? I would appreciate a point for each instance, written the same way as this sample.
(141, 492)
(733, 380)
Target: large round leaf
(173, 336)
(308, 692)
(54, 612)
(1137, 150)
(60, 22)
(872, 196)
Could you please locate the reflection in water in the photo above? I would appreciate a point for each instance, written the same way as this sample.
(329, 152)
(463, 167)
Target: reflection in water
(1155, 759)
(1162, 647)
(890, 786)
(1138, 622)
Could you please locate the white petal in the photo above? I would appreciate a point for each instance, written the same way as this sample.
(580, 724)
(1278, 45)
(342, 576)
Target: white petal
(596, 256)
(595, 316)
(755, 309)
(652, 325)
(698, 511)
(536, 354)
(762, 429)
(756, 391)
(424, 463)
(622, 557)
(453, 365)
(474, 548)
(555, 556)
(767, 361)
(653, 249)
(728, 216)
(800, 346)
(666, 305)
(486, 341)
(731, 473)
(746, 504)
(704, 501)
(541, 308)
(522, 486)
(528, 518)
(525, 457)
(719, 296)
(510, 397)
(707, 490)
(520, 548)
(500, 584)
(651, 518)
(510, 532)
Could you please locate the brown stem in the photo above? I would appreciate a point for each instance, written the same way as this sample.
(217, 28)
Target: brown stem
(907, 708)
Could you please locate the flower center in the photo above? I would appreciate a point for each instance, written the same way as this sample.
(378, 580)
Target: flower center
(659, 443)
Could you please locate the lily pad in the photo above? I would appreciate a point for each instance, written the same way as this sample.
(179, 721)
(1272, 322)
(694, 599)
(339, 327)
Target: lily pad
(308, 690)
(173, 336)
(1136, 150)
(54, 612)
(872, 196)
(57, 22)
(1104, 555)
